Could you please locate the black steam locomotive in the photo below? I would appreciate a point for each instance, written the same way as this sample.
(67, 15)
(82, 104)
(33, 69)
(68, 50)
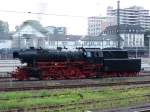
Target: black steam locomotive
(83, 63)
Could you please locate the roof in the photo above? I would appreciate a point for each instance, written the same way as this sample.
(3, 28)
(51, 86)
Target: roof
(110, 37)
(65, 37)
(100, 38)
(85, 38)
(135, 49)
(123, 28)
(92, 38)
(35, 24)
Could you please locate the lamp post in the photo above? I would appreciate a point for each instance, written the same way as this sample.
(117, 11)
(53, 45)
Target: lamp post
(102, 41)
(57, 43)
(149, 46)
(19, 41)
(136, 51)
(118, 24)
(80, 43)
(136, 48)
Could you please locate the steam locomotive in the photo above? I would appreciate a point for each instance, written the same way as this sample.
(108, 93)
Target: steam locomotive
(84, 63)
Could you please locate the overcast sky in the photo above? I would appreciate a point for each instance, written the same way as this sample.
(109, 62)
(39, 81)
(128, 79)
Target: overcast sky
(75, 25)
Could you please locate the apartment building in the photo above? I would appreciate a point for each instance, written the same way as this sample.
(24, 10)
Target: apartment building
(134, 15)
(96, 25)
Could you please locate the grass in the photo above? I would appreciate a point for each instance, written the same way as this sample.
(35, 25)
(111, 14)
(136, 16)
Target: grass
(29, 99)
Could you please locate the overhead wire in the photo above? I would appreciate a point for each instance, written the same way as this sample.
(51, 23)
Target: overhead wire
(39, 13)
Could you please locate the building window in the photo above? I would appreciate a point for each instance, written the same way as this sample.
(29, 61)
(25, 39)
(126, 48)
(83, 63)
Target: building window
(114, 44)
(99, 43)
(130, 40)
(52, 43)
(107, 43)
(141, 42)
(91, 43)
(64, 43)
(133, 40)
(86, 43)
(126, 41)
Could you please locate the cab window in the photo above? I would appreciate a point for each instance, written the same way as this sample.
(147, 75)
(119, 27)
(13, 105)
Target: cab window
(88, 55)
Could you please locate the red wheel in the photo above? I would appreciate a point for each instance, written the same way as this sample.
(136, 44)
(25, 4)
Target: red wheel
(20, 74)
(73, 73)
(44, 75)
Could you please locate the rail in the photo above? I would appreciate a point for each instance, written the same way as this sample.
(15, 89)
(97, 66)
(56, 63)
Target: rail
(41, 85)
(7, 76)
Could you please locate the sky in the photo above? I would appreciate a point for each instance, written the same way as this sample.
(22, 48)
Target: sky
(75, 11)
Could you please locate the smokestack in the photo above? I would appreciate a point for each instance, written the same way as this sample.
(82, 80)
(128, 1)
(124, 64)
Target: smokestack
(118, 24)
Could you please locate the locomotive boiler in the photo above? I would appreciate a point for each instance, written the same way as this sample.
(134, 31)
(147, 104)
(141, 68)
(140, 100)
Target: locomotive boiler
(84, 63)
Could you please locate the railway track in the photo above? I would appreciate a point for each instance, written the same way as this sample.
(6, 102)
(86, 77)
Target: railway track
(10, 84)
(138, 108)
(5, 76)
(32, 86)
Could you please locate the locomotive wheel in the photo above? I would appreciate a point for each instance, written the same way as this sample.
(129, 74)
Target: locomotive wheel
(70, 74)
(56, 73)
(107, 74)
(43, 75)
(133, 74)
(21, 75)
(59, 74)
(127, 74)
(73, 73)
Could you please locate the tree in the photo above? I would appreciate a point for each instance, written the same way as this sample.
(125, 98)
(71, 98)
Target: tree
(4, 27)
(36, 24)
